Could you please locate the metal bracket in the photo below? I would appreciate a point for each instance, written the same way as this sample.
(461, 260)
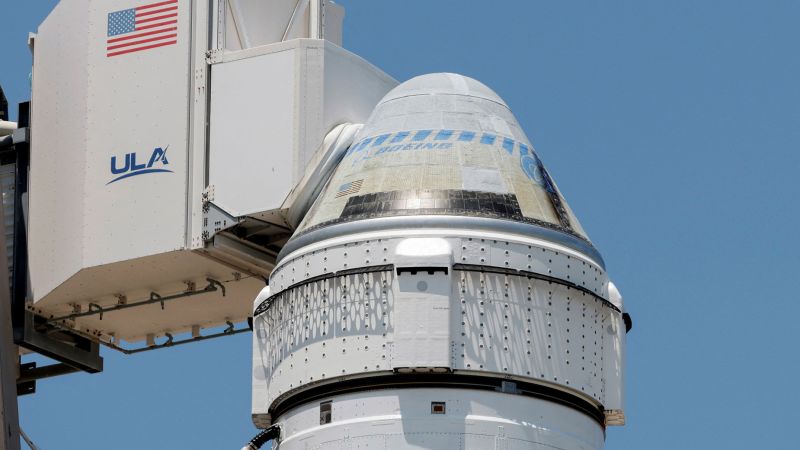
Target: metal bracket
(214, 56)
(215, 219)
(29, 373)
(42, 337)
(213, 286)
(212, 283)
(154, 297)
(208, 195)
(25, 387)
(171, 341)
(97, 308)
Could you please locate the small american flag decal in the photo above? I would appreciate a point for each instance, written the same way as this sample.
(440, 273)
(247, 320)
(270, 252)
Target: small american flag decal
(142, 28)
(349, 188)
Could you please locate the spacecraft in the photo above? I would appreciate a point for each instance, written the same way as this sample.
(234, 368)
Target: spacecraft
(439, 293)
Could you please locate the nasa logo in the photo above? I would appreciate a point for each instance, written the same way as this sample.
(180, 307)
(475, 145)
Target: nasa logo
(130, 168)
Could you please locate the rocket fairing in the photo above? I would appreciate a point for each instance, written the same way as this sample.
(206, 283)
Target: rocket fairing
(440, 293)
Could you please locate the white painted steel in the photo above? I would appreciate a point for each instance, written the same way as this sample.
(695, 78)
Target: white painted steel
(250, 99)
(402, 419)
(166, 274)
(87, 108)
(252, 23)
(93, 241)
(198, 118)
(273, 107)
(60, 80)
(372, 249)
(423, 232)
(315, 19)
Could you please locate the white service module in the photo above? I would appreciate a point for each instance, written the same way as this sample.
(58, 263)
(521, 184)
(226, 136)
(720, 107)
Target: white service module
(440, 293)
(134, 198)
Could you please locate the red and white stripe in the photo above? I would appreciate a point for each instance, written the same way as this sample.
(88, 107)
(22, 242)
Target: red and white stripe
(355, 186)
(156, 26)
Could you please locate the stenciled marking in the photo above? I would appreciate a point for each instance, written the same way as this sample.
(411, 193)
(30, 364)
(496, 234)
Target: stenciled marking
(444, 139)
(127, 166)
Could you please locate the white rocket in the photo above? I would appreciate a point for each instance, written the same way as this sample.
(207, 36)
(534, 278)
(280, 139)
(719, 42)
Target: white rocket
(440, 293)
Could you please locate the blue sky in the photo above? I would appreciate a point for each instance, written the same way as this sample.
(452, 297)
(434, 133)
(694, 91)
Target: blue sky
(672, 128)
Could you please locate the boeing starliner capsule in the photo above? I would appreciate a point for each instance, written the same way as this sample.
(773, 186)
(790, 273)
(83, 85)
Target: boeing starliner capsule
(440, 293)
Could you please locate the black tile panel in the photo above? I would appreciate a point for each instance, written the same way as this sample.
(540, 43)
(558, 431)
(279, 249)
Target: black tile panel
(430, 201)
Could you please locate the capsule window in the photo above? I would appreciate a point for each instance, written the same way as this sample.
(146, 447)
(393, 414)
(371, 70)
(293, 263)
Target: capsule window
(438, 407)
(325, 409)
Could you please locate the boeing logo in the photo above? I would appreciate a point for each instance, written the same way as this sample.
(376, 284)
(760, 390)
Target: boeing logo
(130, 168)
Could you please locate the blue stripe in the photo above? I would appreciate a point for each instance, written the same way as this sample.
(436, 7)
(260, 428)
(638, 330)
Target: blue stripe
(487, 139)
(399, 136)
(138, 172)
(379, 140)
(508, 144)
(443, 135)
(421, 135)
(466, 136)
(364, 144)
(354, 147)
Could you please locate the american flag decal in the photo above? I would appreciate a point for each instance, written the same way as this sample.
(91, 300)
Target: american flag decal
(142, 28)
(349, 188)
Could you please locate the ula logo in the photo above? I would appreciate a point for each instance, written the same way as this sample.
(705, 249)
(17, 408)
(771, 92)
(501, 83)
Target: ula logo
(130, 168)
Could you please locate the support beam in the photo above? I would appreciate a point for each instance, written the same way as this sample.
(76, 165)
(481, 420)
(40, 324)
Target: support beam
(9, 359)
(29, 372)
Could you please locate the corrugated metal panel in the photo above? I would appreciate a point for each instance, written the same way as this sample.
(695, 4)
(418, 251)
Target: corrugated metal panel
(7, 187)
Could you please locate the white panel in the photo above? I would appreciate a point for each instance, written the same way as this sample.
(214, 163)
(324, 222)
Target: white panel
(198, 120)
(137, 103)
(252, 23)
(422, 336)
(58, 135)
(165, 274)
(531, 328)
(96, 240)
(334, 18)
(259, 22)
(476, 247)
(253, 122)
(614, 369)
(352, 87)
(88, 109)
(511, 326)
(330, 328)
(271, 108)
(402, 419)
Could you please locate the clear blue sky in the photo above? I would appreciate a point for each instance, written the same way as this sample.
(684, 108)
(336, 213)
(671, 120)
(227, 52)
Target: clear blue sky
(673, 129)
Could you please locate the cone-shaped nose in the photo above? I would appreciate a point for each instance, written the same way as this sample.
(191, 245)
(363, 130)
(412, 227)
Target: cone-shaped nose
(443, 84)
(445, 145)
